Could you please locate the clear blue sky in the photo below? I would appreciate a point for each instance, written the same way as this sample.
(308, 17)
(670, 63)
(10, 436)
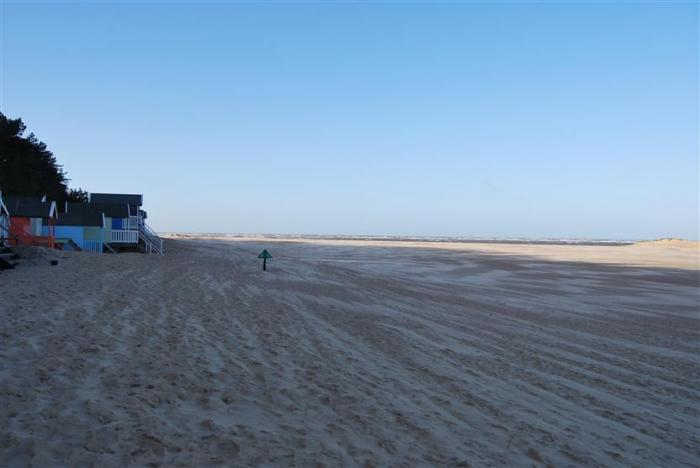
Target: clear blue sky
(472, 119)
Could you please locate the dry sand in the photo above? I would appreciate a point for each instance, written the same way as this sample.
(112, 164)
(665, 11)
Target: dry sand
(352, 353)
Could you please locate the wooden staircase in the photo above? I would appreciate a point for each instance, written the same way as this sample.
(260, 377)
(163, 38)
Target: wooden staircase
(74, 245)
(150, 240)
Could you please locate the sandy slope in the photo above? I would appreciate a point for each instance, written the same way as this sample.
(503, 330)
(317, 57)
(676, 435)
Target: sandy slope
(349, 353)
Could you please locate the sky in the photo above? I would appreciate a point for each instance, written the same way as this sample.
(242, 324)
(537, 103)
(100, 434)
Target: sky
(502, 119)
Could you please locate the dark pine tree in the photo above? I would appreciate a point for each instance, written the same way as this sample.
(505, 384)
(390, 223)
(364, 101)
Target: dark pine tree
(77, 196)
(28, 168)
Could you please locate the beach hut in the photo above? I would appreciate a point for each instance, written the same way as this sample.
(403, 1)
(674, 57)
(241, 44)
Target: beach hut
(125, 222)
(80, 227)
(116, 219)
(32, 221)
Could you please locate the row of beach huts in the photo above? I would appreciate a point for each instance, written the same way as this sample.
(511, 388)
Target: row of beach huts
(107, 222)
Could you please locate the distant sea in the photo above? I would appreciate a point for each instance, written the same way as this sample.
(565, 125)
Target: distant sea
(473, 240)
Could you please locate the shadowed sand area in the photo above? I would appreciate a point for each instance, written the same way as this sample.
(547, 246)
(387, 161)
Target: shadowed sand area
(353, 353)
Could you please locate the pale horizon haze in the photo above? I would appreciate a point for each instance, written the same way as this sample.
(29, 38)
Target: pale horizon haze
(507, 119)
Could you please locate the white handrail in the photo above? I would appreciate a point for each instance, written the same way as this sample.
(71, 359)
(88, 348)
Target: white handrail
(125, 236)
(151, 245)
(151, 239)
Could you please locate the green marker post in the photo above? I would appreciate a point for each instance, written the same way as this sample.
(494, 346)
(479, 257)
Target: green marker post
(265, 255)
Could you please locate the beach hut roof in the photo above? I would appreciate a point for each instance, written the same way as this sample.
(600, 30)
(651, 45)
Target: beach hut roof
(78, 207)
(89, 214)
(117, 198)
(109, 209)
(25, 199)
(20, 206)
(85, 218)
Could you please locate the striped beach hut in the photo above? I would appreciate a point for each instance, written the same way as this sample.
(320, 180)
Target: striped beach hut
(32, 220)
(80, 227)
(125, 222)
(116, 217)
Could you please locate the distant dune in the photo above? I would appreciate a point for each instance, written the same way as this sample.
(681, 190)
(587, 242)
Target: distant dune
(673, 253)
(678, 243)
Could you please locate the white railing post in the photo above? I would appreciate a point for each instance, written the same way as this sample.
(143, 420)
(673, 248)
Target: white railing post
(92, 246)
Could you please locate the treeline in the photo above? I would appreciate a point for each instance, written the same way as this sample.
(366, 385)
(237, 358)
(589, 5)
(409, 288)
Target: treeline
(28, 168)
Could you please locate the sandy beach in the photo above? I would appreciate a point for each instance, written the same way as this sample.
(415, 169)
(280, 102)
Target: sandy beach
(348, 353)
